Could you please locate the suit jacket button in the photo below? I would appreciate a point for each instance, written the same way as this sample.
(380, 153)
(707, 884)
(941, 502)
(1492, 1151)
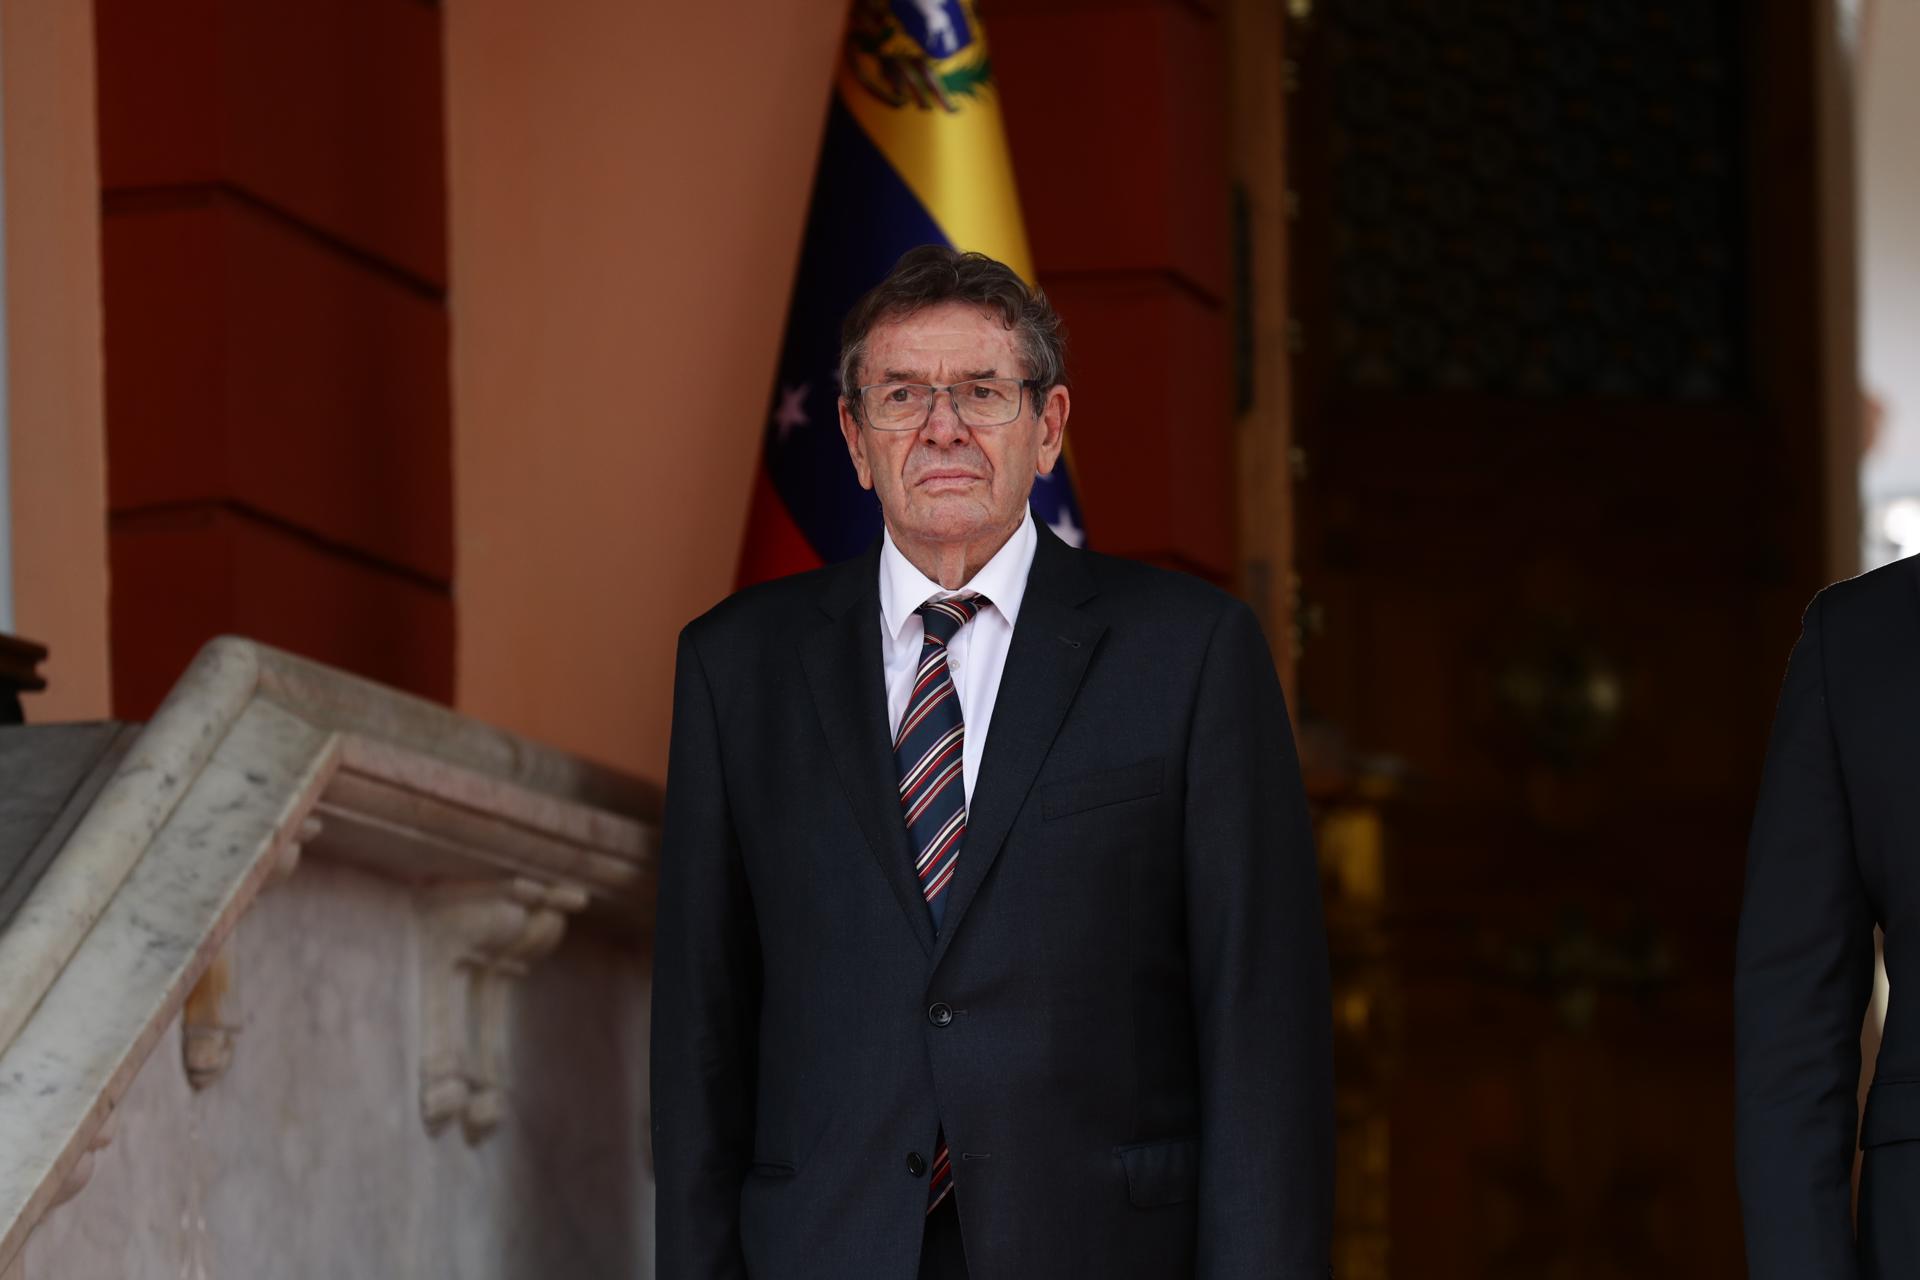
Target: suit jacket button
(915, 1164)
(940, 1013)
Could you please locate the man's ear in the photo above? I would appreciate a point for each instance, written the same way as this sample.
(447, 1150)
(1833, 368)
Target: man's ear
(856, 444)
(1053, 428)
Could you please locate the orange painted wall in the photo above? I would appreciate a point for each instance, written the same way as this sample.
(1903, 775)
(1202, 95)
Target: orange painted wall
(627, 185)
(57, 432)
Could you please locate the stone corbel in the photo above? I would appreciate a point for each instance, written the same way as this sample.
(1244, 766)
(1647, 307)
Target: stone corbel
(478, 937)
(206, 1036)
(82, 1171)
(206, 1024)
(75, 1182)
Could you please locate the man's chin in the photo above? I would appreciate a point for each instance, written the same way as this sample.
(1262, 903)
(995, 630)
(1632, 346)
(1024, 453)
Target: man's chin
(930, 524)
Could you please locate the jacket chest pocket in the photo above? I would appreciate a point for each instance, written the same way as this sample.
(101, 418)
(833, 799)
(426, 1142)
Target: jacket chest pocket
(1097, 790)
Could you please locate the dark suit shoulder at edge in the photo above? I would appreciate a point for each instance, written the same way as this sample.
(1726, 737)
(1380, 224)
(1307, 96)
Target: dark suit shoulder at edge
(1874, 597)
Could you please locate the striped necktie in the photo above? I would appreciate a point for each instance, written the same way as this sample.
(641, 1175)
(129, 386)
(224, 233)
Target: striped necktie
(930, 751)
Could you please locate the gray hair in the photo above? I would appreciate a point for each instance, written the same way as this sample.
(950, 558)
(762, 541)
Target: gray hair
(933, 274)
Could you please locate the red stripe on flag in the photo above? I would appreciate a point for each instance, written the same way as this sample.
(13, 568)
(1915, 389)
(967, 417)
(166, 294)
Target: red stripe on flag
(774, 546)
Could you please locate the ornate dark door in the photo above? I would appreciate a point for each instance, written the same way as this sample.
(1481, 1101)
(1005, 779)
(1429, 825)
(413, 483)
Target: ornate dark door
(1561, 322)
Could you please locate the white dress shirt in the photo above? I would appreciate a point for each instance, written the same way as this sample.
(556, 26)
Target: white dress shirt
(978, 652)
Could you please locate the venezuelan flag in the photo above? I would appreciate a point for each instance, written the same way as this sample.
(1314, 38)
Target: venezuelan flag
(915, 153)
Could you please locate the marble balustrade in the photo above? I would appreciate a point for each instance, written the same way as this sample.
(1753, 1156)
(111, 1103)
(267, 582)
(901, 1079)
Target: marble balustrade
(330, 981)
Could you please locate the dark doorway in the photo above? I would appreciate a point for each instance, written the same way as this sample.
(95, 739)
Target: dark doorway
(1564, 311)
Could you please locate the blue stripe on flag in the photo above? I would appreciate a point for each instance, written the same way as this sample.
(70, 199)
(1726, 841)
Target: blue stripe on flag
(862, 219)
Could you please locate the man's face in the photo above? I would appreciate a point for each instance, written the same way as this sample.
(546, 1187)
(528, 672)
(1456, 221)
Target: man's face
(948, 482)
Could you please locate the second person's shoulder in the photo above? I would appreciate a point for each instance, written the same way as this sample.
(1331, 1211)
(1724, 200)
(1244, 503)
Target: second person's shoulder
(1873, 598)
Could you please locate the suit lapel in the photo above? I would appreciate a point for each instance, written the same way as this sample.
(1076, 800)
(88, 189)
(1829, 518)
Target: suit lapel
(848, 680)
(1052, 644)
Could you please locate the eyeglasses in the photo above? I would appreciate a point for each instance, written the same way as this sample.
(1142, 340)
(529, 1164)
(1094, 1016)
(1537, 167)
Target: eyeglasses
(978, 402)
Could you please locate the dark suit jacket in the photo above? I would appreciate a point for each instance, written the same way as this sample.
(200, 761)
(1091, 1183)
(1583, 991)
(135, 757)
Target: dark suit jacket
(1835, 850)
(1135, 1075)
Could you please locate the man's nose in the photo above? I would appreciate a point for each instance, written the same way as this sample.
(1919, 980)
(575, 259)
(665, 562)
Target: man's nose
(943, 424)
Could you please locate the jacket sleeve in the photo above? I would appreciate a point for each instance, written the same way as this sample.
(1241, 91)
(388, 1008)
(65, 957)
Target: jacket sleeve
(706, 1002)
(1258, 956)
(1803, 975)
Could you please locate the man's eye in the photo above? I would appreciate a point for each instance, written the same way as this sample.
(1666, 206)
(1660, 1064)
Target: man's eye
(981, 391)
(899, 395)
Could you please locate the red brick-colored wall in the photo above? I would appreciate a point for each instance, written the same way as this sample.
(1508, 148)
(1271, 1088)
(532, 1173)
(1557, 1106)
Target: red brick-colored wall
(274, 277)
(1116, 111)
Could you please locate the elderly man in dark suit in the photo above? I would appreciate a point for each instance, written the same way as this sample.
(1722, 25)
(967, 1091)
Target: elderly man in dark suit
(1835, 839)
(989, 935)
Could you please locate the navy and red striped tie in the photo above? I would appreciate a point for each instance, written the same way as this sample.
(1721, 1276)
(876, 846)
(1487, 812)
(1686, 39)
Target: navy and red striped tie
(930, 750)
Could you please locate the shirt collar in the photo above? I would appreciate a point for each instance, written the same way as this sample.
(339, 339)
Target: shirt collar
(1002, 580)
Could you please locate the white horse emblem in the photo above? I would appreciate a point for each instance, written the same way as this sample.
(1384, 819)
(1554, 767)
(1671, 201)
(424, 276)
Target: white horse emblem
(942, 39)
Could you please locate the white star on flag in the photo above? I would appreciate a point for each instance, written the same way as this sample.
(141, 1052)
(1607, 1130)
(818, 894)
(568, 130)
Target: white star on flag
(1070, 533)
(792, 411)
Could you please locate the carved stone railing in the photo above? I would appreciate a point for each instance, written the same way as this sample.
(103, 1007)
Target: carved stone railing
(428, 867)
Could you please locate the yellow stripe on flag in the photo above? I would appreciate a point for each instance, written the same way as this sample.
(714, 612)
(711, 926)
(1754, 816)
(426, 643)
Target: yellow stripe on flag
(952, 154)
